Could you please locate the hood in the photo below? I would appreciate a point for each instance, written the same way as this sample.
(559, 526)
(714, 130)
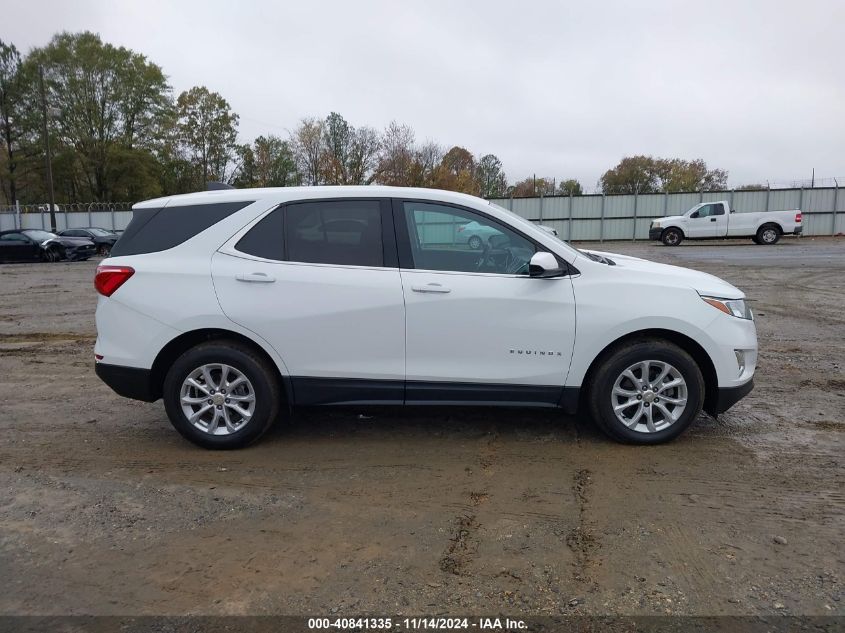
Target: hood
(669, 219)
(668, 275)
(70, 241)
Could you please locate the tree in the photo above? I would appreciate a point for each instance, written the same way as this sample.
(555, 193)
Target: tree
(457, 172)
(491, 179)
(570, 187)
(396, 157)
(307, 141)
(207, 130)
(268, 162)
(350, 155)
(645, 174)
(109, 100)
(633, 174)
(11, 105)
(533, 186)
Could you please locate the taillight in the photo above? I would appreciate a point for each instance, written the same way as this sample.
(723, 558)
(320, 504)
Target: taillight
(109, 278)
(798, 218)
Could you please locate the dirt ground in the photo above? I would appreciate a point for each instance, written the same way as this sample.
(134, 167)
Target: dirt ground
(106, 510)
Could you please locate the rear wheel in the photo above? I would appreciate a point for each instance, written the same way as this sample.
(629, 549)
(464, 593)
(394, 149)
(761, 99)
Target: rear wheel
(221, 395)
(647, 392)
(768, 234)
(672, 237)
(475, 243)
(103, 250)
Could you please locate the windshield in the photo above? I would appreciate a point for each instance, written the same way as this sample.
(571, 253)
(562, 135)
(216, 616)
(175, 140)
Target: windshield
(39, 236)
(518, 219)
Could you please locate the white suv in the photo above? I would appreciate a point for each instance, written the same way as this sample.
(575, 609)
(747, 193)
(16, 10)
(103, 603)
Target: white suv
(235, 306)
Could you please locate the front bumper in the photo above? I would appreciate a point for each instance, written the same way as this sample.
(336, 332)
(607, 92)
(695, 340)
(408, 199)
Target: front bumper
(80, 252)
(654, 233)
(728, 397)
(129, 382)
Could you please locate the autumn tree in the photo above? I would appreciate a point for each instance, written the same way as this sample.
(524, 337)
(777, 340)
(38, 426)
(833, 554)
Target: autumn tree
(396, 157)
(457, 172)
(307, 141)
(349, 155)
(645, 174)
(533, 186)
(207, 129)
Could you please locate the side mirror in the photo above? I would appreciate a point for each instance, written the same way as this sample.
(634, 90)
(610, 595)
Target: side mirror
(544, 266)
(733, 210)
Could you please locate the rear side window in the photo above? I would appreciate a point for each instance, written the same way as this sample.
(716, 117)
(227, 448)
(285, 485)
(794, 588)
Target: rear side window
(153, 230)
(346, 232)
(266, 238)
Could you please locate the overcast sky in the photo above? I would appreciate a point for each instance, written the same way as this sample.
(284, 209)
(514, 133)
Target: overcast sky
(560, 89)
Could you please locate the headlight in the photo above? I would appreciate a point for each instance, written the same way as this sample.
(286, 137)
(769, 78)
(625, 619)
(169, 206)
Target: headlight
(655, 224)
(734, 307)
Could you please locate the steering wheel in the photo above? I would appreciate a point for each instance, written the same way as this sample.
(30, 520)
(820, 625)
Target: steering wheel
(486, 259)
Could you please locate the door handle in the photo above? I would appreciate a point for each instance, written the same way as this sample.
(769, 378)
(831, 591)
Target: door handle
(712, 219)
(431, 288)
(263, 278)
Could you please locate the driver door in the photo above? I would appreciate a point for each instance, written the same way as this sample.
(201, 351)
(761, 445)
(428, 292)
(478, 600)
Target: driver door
(478, 328)
(704, 222)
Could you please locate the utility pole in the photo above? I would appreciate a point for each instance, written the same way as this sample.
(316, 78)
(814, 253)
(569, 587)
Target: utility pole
(47, 160)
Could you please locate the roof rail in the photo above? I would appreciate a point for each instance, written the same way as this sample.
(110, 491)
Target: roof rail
(213, 185)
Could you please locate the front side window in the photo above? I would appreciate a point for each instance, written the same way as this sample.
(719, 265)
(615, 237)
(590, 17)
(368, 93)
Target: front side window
(452, 239)
(344, 232)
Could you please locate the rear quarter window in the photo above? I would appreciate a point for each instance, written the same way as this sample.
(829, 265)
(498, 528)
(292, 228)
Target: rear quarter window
(157, 229)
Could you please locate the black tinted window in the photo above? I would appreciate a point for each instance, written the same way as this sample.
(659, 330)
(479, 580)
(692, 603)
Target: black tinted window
(153, 230)
(265, 239)
(342, 232)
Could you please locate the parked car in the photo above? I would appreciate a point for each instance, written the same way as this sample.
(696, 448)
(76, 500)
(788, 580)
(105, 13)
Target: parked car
(716, 220)
(36, 245)
(476, 235)
(233, 307)
(103, 239)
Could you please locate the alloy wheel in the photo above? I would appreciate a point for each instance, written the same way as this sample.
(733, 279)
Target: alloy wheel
(649, 396)
(217, 399)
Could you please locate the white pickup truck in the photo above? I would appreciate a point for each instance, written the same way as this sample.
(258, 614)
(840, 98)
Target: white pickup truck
(713, 220)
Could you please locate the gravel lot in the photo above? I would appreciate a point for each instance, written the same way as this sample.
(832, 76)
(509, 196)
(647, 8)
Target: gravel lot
(106, 510)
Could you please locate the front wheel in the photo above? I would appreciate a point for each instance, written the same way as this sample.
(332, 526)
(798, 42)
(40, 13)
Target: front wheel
(221, 395)
(647, 392)
(103, 250)
(475, 243)
(672, 237)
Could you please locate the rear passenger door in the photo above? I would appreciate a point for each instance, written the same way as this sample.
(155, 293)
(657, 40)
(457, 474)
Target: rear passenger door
(319, 280)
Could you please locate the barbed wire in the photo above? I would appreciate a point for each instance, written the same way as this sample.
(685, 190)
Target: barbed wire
(72, 207)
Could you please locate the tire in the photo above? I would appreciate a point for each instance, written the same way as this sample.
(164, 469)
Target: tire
(672, 237)
(755, 240)
(475, 243)
(659, 354)
(51, 255)
(768, 234)
(103, 250)
(261, 383)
